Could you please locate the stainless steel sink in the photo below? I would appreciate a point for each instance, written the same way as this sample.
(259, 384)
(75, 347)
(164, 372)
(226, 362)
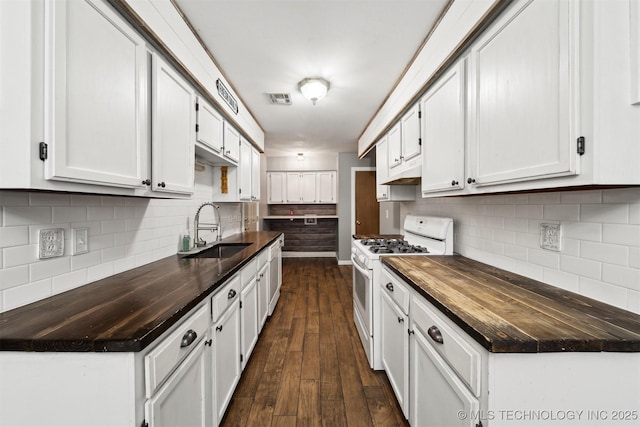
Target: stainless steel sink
(221, 250)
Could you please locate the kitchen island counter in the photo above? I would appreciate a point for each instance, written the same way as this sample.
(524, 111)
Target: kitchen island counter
(509, 313)
(127, 311)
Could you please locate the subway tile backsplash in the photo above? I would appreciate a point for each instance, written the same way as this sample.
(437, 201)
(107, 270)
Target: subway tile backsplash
(600, 247)
(124, 233)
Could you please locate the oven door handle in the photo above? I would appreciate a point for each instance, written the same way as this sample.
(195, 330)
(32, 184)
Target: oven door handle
(365, 272)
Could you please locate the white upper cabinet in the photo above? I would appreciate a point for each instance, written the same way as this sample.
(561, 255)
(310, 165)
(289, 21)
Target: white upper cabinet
(231, 142)
(522, 98)
(326, 187)
(301, 187)
(404, 146)
(255, 174)
(249, 172)
(389, 192)
(276, 187)
(96, 91)
(210, 127)
(410, 123)
(443, 135)
(173, 130)
(394, 147)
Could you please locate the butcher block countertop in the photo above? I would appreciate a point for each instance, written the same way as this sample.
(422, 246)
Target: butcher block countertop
(127, 311)
(509, 313)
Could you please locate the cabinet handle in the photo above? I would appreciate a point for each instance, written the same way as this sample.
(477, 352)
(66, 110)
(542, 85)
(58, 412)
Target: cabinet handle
(389, 286)
(162, 184)
(188, 338)
(147, 181)
(471, 180)
(454, 182)
(435, 334)
(232, 293)
(400, 319)
(208, 342)
(219, 328)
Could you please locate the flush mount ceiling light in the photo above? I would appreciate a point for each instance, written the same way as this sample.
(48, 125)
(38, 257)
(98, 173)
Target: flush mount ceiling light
(314, 89)
(300, 157)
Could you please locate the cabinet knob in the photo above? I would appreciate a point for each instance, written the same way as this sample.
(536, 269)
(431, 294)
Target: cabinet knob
(389, 286)
(188, 338)
(400, 319)
(471, 180)
(162, 184)
(232, 293)
(208, 342)
(147, 181)
(435, 334)
(454, 182)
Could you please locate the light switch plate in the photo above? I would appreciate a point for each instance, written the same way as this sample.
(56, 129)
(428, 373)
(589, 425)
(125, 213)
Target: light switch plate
(80, 240)
(50, 243)
(550, 237)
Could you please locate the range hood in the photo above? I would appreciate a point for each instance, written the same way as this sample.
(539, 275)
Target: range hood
(412, 176)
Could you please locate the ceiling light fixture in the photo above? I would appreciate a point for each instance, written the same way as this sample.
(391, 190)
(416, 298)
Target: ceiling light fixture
(314, 89)
(300, 157)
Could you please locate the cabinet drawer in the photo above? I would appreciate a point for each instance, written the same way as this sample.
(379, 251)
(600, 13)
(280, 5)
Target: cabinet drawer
(225, 297)
(263, 258)
(166, 356)
(396, 289)
(453, 346)
(248, 272)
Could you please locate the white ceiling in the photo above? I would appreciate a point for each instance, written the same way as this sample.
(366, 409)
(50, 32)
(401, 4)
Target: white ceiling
(361, 46)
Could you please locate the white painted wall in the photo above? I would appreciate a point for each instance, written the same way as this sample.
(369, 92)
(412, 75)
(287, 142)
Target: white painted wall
(316, 162)
(600, 252)
(124, 233)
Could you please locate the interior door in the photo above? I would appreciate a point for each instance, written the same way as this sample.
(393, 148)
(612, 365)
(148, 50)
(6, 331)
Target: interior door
(367, 206)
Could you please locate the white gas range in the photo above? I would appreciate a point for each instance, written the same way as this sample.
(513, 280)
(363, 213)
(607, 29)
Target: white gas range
(424, 235)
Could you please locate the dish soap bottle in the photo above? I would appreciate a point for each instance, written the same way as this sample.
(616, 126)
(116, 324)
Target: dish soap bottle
(186, 242)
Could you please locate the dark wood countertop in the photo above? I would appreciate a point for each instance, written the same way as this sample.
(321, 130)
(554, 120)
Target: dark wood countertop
(127, 311)
(509, 313)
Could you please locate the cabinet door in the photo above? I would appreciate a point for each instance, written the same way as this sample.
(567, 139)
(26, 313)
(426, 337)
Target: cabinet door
(249, 319)
(308, 187)
(521, 88)
(255, 174)
(185, 398)
(394, 147)
(395, 349)
(96, 92)
(231, 142)
(443, 115)
(263, 294)
(326, 187)
(210, 126)
(410, 133)
(226, 357)
(437, 394)
(382, 169)
(293, 187)
(245, 169)
(173, 137)
(276, 187)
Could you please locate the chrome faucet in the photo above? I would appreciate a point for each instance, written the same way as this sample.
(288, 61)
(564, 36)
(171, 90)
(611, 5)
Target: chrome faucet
(216, 226)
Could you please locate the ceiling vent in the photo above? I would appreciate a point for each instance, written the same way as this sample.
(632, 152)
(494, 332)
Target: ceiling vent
(280, 98)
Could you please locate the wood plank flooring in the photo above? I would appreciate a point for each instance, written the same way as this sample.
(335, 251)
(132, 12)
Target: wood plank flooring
(308, 367)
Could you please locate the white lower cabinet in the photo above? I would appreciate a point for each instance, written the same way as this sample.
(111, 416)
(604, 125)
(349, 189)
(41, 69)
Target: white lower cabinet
(249, 311)
(263, 288)
(395, 349)
(184, 399)
(225, 333)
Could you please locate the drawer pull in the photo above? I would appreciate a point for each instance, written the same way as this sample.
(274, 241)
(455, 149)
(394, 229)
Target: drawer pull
(389, 286)
(219, 328)
(232, 293)
(400, 319)
(188, 338)
(435, 334)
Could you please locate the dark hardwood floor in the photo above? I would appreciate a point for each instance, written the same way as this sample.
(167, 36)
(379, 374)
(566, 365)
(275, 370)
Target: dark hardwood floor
(308, 367)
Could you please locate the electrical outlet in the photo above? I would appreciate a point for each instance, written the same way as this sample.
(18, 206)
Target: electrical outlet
(50, 243)
(386, 213)
(80, 240)
(550, 237)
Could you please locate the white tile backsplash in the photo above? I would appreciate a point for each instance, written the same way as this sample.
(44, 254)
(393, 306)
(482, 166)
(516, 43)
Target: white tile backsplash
(124, 233)
(600, 252)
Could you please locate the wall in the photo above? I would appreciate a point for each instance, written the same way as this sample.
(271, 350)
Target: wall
(124, 232)
(600, 247)
(346, 161)
(390, 218)
(315, 162)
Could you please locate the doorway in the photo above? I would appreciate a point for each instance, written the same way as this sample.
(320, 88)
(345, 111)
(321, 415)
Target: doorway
(366, 209)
